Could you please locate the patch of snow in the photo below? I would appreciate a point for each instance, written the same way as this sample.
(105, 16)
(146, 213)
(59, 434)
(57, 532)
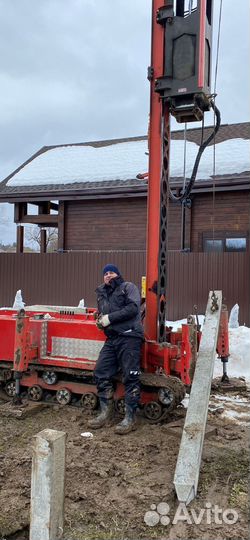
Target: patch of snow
(70, 164)
(239, 417)
(232, 399)
(239, 347)
(177, 324)
(233, 321)
(18, 302)
(239, 359)
(231, 156)
(234, 408)
(235, 414)
(185, 401)
(123, 161)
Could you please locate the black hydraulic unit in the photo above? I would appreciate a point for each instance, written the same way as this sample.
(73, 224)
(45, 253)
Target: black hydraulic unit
(186, 81)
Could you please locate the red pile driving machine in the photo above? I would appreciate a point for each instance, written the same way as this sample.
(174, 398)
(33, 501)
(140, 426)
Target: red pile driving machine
(53, 355)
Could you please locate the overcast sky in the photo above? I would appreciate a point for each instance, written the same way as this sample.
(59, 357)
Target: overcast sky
(75, 70)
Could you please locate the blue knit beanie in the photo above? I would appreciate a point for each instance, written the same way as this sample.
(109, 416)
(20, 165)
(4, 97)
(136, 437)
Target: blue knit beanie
(111, 268)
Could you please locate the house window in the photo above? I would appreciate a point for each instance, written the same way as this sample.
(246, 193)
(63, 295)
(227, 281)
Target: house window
(213, 245)
(236, 244)
(224, 242)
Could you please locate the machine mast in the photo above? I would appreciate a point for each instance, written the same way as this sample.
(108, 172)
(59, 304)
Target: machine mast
(179, 75)
(155, 162)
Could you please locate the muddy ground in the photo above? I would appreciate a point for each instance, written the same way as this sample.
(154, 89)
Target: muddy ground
(112, 481)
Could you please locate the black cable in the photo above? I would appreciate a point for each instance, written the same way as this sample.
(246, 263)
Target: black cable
(190, 185)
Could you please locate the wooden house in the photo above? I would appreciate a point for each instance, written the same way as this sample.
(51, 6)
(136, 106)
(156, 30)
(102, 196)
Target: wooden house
(99, 203)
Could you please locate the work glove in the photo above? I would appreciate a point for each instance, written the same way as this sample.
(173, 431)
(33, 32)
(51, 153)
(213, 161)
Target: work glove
(99, 325)
(104, 320)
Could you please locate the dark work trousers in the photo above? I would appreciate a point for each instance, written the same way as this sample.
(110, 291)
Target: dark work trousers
(119, 353)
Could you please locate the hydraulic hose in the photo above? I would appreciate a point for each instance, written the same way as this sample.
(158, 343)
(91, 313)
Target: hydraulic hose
(191, 182)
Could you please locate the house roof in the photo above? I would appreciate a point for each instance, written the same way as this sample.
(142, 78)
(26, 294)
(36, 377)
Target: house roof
(109, 167)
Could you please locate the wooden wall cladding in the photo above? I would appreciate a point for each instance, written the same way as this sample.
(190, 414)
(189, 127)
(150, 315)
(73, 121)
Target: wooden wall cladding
(230, 213)
(106, 224)
(114, 224)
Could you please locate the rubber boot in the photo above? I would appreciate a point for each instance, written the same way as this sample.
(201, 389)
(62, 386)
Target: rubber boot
(128, 423)
(105, 415)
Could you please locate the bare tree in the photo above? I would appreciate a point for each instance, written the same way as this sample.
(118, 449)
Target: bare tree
(33, 238)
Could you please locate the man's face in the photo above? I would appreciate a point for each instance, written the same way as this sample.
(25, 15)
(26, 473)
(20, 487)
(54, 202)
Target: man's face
(108, 276)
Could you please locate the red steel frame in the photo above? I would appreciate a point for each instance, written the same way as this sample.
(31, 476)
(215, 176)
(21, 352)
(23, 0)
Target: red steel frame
(155, 159)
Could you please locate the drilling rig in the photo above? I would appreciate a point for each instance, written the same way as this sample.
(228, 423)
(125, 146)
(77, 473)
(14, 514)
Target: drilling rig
(53, 355)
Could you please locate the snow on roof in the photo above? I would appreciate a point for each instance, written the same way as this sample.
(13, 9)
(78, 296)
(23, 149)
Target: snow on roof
(123, 161)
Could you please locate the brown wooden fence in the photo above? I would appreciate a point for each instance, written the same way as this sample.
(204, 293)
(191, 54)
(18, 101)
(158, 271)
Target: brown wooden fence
(64, 279)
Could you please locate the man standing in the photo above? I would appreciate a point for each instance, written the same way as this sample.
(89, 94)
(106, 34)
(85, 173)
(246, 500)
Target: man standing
(119, 316)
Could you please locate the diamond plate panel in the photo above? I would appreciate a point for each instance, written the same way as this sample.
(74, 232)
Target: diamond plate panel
(76, 348)
(43, 342)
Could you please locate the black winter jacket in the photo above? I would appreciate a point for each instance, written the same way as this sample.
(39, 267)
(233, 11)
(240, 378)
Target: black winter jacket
(120, 300)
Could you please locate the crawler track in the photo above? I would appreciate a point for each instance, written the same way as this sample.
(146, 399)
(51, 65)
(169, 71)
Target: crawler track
(160, 394)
